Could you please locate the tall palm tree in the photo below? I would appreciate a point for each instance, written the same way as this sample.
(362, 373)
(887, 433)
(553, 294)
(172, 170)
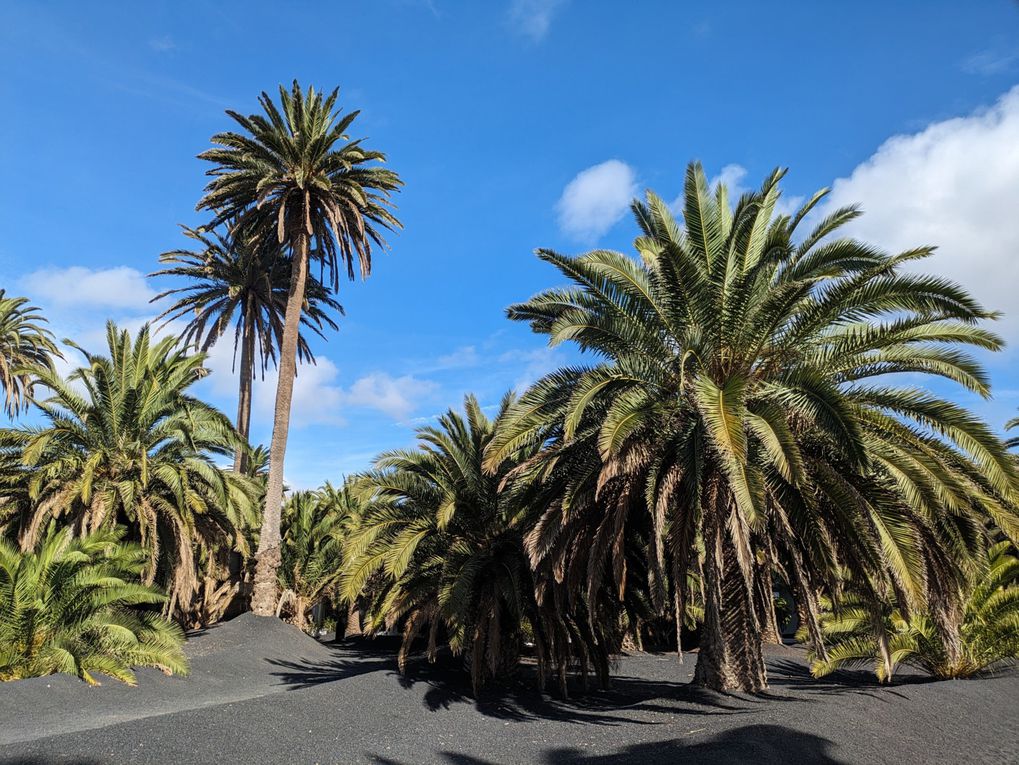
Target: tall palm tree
(124, 442)
(25, 344)
(232, 275)
(295, 173)
(744, 400)
(75, 605)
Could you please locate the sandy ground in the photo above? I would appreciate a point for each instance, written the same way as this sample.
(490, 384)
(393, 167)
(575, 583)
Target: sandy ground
(261, 692)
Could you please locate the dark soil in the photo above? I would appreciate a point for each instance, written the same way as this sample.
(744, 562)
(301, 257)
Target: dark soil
(262, 692)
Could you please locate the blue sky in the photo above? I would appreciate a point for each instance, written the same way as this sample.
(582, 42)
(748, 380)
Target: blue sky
(515, 125)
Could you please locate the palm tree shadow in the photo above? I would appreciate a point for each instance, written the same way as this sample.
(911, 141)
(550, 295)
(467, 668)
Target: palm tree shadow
(752, 743)
(352, 659)
(795, 676)
(520, 700)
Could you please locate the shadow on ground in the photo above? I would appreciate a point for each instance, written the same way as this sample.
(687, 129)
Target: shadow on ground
(752, 743)
(351, 659)
(795, 676)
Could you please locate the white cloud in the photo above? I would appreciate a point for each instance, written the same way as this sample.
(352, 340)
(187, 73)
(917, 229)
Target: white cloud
(120, 288)
(596, 199)
(954, 184)
(533, 18)
(319, 398)
(732, 177)
(396, 396)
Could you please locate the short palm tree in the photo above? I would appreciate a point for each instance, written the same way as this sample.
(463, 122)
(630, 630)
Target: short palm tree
(439, 545)
(75, 605)
(250, 279)
(863, 633)
(295, 174)
(25, 344)
(743, 400)
(344, 505)
(124, 442)
(312, 553)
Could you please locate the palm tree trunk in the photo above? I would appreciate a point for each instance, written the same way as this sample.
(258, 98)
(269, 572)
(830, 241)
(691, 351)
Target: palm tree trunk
(247, 379)
(267, 558)
(730, 656)
(353, 627)
(764, 591)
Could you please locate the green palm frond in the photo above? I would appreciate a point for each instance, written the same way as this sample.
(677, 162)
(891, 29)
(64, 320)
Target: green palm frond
(25, 347)
(75, 605)
(123, 442)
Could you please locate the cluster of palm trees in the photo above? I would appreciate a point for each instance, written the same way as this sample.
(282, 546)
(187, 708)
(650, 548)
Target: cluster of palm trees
(746, 420)
(124, 444)
(745, 425)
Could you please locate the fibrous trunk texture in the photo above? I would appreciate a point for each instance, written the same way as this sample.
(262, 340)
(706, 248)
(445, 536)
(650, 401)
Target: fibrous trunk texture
(730, 656)
(247, 378)
(353, 627)
(764, 591)
(267, 558)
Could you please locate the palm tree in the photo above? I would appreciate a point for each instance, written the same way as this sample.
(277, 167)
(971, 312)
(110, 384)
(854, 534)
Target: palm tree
(742, 399)
(988, 633)
(69, 605)
(312, 553)
(295, 174)
(344, 505)
(123, 442)
(24, 345)
(440, 551)
(250, 278)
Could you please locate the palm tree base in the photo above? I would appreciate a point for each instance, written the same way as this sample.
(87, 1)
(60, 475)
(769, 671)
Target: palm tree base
(266, 590)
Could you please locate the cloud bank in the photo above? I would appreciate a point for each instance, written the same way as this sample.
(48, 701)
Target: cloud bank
(955, 185)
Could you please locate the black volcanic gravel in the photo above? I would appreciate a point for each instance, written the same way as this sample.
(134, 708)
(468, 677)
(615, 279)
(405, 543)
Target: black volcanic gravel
(262, 692)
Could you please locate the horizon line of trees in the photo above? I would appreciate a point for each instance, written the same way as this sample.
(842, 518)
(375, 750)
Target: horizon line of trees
(744, 424)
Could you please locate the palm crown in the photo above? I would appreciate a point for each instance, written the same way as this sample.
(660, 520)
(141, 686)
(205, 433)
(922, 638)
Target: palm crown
(70, 605)
(229, 276)
(296, 173)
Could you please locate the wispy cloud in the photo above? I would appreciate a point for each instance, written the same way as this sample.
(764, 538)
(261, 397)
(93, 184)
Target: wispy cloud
(533, 18)
(532, 364)
(991, 61)
(428, 5)
(465, 356)
(596, 199)
(163, 44)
